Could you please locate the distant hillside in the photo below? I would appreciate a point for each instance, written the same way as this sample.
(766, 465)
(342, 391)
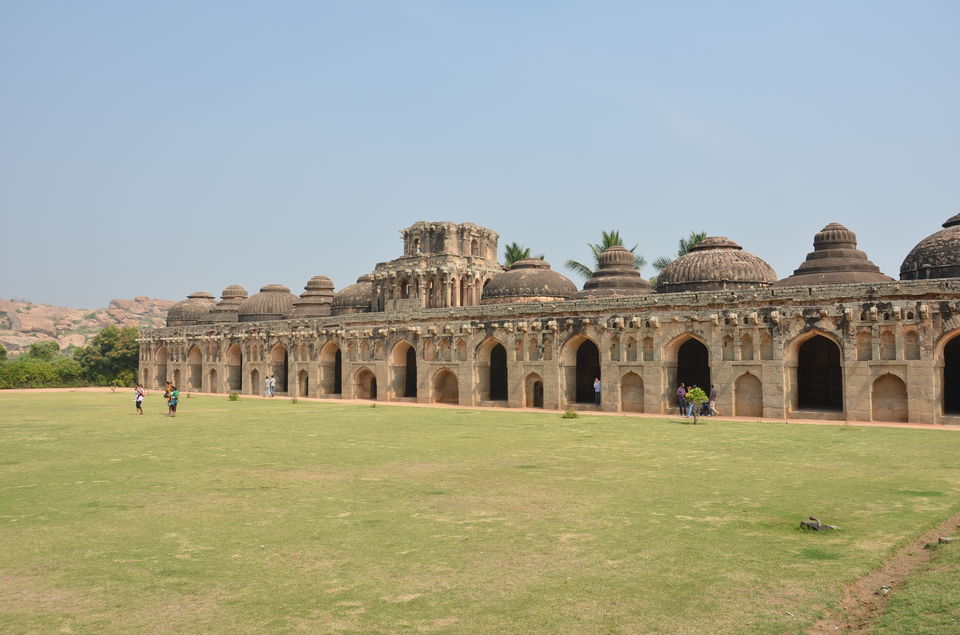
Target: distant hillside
(25, 323)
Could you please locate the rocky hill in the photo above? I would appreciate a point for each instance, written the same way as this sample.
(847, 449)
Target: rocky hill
(25, 323)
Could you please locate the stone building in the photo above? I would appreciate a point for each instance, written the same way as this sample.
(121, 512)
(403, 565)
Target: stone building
(445, 323)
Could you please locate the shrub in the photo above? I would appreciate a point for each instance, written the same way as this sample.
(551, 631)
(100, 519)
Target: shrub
(570, 414)
(233, 396)
(295, 400)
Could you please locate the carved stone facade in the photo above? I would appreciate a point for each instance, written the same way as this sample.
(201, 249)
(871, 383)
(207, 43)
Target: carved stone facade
(885, 351)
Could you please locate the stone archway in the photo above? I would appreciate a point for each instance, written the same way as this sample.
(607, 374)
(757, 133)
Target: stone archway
(195, 368)
(498, 373)
(748, 396)
(888, 399)
(587, 369)
(254, 382)
(951, 376)
(303, 384)
(161, 377)
(331, 369)
(631, 393)
(365, 384)
(693, 364)
(446, 388)
(279, 359)
(533, 391)
(234, 368)
(403, 363)
(819, 375)
(212, 381)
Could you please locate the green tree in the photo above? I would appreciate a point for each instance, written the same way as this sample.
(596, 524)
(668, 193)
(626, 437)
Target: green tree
(514, 252)
(685, 245)
(607, 240)
(46, 351)
(111, 352)
(3, 352)
(697, 397)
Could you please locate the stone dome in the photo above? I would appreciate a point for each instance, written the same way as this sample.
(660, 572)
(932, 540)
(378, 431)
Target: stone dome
(713, 264)
(315, 300)
(192, 310)
(354, 298)
(615, 276)
(835, 259)
(936, 256)
(272, 303)
(229, 305)
(529, 280)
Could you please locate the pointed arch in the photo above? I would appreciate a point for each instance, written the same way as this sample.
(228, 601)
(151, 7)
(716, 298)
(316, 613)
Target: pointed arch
(254, 381)
(234, 368)
(949, 353)
(403, 367)
(748, 396)
(446, 387)
(631, 393)
(491, 362)
(364, 384)
(212, 385)
(331, 369)
(888, 399)
(161, 365)
(533, 391)
(581, 364)
(303, 384)
(279, 363)
(195, 368)
(819, 373)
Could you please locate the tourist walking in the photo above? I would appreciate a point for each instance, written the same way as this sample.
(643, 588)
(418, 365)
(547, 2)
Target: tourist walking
(596, 390)
(713, 401)
(273, 385)
(139, 393)
(266, 386)
(682, 398)
(174, 398)
(167, 389)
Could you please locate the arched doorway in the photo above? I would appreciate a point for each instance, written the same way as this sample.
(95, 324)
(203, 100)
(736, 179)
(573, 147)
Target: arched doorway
(278, 365)
(889, 399)
(212, 381)
(819, 375)
(161, 377)
(748, 396)
(403, 364)
(533, 387)
(234, 368)
(254, 382)
(446, 389)
(195, 368)
(331, 369)
(588, 369)
(303, 384)
(631, 393)
(176, 378)
(693, 364)
(951, 377)
(366, 385)
(498, 373)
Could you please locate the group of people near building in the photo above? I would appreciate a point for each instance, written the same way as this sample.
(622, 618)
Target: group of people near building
(170, 394)
(270, 386)
(686, 404)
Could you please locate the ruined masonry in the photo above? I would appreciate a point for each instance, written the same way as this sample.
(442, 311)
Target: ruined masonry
(445, 323)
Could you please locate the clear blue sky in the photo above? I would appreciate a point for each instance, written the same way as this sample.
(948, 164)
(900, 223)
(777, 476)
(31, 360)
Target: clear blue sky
(158, 148)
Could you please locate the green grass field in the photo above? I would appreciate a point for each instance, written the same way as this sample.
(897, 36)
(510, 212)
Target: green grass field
(267, 515)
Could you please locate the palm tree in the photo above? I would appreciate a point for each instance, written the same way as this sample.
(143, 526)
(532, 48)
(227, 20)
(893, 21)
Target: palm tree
(685, 245)
(607, 240)
(514, 252)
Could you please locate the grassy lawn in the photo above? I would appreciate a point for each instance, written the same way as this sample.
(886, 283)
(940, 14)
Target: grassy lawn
(265, 515)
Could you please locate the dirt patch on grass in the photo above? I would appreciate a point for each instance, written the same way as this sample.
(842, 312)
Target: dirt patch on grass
(23, 594)
(863, 602)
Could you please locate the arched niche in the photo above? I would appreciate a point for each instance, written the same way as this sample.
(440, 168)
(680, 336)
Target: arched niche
(533, 391)
(748, 396)
(631, 393)
(888, 399)
(446, 388)
(819, 374)
(365, 384)
(403, 366)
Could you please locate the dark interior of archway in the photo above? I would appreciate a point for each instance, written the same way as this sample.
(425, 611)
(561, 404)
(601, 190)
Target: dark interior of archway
(498, 373)
(410, 381)
(280, 373)
(538, 394)
(373, 387)
(338, 373)
(693, 365)
(588, 368)
(951, 376)
(819, 376)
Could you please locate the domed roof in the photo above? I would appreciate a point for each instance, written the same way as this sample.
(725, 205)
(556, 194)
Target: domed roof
(226, 309)
(615, 276)
(315, 299)
(529, 280)
(354, 298)
(712, 264)
(273, 301)
(190, 311)
(835, 259)
(936, 256)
